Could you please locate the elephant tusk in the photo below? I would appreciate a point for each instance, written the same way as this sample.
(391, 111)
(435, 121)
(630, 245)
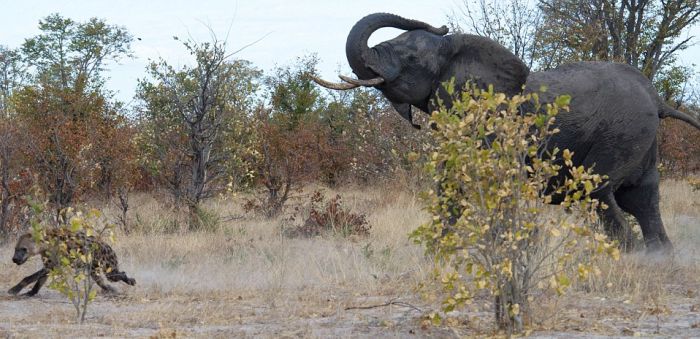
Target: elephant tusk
(334, 85)
(367, 83)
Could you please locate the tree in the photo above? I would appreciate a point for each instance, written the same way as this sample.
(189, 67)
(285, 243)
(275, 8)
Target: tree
(646, 34)
(12, 77)
(373, 139)
(192, 113)
(643, 33)
(679, 148)
(12, 185)
(285, 158)
(352, 119)
(294, 97)
(674, 85)
(162, 139)
(14, 181)
(73, 55)
(64, 106)
(296, 141)
(512, 23)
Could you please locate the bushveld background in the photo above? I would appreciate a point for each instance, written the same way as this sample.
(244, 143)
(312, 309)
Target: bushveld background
(251, 203)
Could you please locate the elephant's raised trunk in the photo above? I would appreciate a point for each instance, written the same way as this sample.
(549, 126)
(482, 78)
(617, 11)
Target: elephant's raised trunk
(360, 55)
(356, 48)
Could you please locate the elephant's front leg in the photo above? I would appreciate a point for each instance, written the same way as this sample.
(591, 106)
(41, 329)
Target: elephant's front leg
(28, 280)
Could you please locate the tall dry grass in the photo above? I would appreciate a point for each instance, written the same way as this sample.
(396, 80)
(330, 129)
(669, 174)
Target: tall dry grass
(251, 253)
(246, 252)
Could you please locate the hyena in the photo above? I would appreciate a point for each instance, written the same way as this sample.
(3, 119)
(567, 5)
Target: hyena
(104, 259)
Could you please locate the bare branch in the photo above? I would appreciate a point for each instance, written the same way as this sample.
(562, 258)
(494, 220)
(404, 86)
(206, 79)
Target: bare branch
(388, 303)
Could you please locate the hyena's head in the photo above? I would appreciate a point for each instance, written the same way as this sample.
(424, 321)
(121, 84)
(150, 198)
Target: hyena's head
(26, 247)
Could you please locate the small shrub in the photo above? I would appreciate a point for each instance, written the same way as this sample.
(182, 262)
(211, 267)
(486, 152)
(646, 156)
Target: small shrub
(489, 230)
(287, 156)
(329, 217)
(74, 266)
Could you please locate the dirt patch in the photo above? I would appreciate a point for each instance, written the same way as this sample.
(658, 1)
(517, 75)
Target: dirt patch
(137, 314)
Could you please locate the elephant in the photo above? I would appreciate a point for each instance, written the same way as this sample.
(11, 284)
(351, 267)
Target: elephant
(611, 126)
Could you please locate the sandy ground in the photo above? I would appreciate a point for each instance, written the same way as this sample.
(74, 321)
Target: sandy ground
(242, 316)
(247, 280)
(321, 315)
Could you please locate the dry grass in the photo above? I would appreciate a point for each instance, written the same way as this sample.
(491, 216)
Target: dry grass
(243, 277)
(641, 293)
(251, 253)
(643, 276)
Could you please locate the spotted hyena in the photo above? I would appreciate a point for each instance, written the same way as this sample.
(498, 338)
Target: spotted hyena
(104, 259)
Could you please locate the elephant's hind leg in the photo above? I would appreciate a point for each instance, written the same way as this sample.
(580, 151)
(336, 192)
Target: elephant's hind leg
(642, 201)
(616, 226)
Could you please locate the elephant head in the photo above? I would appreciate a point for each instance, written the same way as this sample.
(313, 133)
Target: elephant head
(411, 68)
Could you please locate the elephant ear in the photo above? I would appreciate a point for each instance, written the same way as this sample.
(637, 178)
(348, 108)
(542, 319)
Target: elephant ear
(484, 62)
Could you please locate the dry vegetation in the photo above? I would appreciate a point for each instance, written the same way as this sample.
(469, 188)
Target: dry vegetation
(212, 269)
(247, 278)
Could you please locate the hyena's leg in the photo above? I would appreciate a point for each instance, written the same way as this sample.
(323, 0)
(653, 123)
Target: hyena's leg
(37, 286)
(120, 276)
(28, 280)
(100, 282)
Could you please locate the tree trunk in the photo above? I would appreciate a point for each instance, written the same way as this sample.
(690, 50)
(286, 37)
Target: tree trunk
(504, 307)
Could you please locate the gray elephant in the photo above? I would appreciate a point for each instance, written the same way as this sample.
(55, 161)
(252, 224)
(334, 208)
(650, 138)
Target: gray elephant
(615, 110)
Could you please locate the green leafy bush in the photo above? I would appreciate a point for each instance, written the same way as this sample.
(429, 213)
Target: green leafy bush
(73, 265)
(489, 229)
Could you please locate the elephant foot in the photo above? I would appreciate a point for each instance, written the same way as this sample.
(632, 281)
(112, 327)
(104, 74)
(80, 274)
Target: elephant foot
(659, 247)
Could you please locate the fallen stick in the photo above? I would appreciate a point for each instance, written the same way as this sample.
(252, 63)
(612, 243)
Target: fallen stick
(388, 303)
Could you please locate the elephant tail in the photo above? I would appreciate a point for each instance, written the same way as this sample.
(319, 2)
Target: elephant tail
(668, 112)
